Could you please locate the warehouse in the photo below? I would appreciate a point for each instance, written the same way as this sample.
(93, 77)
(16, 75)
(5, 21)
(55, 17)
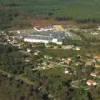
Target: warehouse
(56, 38)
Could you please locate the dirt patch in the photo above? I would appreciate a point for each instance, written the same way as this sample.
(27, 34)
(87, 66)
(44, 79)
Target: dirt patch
(44, 22)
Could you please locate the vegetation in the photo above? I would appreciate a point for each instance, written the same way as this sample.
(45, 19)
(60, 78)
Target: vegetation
(19, 82)
(20, 13)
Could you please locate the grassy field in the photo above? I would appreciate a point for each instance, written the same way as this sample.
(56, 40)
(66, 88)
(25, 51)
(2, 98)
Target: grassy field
(15, 12)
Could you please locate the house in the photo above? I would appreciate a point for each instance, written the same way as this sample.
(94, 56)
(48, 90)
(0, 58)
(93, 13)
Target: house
(28, 50)
(66, 71)
(91, 83)
(95, 74)
(37, 52)
(69, 61)
(77, 48)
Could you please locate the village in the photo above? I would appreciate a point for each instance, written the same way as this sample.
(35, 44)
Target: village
(51, 48)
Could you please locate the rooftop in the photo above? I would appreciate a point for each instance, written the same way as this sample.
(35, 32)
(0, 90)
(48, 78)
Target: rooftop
(46, 35)
(91, 83)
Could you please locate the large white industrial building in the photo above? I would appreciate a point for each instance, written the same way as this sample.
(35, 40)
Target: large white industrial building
(46, 38)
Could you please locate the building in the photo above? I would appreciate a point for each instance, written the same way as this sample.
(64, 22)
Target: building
(49, 28)
(91, 83)
(95, 74)
(45, 37)
(41, 29)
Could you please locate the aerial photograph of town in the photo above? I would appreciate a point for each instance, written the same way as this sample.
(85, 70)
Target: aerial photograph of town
(49, 49)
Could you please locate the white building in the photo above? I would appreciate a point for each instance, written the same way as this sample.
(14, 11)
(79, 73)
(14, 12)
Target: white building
(91, 83)
(46, 38)
(49, 28)
(41, 29)
(33, 40)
